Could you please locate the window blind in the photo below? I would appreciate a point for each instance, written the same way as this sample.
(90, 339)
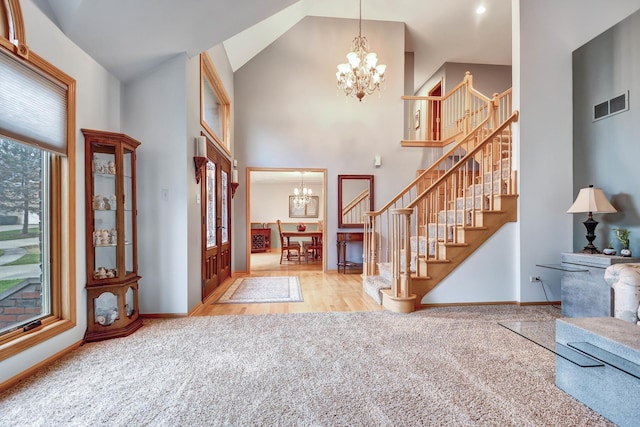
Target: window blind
(32, 107)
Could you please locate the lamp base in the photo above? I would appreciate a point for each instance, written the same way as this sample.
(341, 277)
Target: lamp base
(590, 224)
(590, 249)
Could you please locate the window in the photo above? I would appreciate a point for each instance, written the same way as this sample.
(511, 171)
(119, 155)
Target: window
(215, 105)
(25, 281)
(37, 198)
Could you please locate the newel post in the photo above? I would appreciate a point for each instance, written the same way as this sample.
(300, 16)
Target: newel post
(468, 80)
(369, 245)
(495, 104)
(399, 298)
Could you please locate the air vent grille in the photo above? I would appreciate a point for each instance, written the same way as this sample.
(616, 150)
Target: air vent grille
(612, 106)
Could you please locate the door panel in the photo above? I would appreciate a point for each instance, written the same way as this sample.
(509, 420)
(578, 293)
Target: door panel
(216, 221)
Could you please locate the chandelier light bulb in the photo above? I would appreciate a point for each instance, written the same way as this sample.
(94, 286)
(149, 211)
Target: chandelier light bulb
(354, 59)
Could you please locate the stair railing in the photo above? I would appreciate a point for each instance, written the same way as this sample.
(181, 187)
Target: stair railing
(437, 202)
(439, 120)
(353, 211)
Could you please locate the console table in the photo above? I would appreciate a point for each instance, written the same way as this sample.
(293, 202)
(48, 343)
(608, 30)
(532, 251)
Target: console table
(342, 239)
(598, 363)
(584, 290)
(260, 240)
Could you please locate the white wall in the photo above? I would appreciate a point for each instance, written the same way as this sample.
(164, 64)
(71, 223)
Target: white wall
(487, 78)
(162, 110)
(98, 107)
(478, 278)
(154, 112)
(270, 202)
(549, 31)
(289, 113)
(606, 151)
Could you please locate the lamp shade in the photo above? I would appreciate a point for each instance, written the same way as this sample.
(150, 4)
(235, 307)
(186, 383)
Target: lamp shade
(593, 200)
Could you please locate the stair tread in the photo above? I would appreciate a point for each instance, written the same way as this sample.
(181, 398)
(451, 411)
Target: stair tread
(438, 261)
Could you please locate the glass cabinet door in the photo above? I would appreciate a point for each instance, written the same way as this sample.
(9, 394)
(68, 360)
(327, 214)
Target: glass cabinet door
(128, 211)
(105, 234)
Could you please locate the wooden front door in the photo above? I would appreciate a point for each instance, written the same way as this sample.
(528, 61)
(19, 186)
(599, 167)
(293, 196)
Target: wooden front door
(216, 221)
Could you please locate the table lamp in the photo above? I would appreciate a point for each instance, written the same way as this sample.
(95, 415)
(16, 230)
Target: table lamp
(591, 200)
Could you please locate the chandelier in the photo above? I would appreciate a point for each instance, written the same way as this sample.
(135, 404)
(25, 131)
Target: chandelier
(361, 75)
(302, 195)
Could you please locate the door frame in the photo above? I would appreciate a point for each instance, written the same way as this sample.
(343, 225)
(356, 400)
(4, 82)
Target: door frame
(323, 197)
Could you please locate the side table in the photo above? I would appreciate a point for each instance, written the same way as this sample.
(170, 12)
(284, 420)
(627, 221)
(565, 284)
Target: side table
(584, 292)
(342, 238)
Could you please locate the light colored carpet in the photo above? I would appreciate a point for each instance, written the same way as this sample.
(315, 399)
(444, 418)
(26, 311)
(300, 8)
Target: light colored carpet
(263, 289)
(453, 366)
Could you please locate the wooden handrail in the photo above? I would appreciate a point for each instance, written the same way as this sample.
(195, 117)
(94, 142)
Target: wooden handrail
(437, 120)
(413, 183)
(469, 156)
(356, 200)
(445, 197)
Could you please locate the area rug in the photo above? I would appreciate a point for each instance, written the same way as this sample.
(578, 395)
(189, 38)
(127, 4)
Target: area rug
(262, 289)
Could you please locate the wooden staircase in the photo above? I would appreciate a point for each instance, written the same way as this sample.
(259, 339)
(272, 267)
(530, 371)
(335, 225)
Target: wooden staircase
(445, 214)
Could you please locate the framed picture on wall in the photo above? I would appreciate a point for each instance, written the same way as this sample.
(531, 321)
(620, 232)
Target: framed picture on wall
(310, 210)
(416, 119)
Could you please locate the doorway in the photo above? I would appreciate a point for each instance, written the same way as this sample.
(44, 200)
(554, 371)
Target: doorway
(435, 112)
(216, 221)
(269, 199)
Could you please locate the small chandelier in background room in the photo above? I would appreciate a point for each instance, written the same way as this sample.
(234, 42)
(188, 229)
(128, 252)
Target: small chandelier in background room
(362, 75)
(302, 195)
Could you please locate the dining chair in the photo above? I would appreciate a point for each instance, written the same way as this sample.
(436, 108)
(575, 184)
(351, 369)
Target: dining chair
(287, 247)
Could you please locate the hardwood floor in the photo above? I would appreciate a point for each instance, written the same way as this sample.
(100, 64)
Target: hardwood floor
(322, 292)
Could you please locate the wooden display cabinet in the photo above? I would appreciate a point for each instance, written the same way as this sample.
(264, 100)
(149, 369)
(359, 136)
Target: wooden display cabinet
(112, 260)
(260, 240)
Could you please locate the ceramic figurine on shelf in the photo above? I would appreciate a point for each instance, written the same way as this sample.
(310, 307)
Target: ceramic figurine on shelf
(104, 237)
(113, 236)
(101, 273)
(105, 204)
(97, 166)
(111, 167)
(112, 201)
(97, 203)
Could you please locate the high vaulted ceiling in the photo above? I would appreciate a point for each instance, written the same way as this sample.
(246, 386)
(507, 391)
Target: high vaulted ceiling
(129, 37)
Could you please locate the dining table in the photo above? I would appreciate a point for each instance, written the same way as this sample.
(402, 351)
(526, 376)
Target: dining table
(316, 236)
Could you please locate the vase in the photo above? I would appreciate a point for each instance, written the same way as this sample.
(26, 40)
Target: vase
(625, 252)
(302, 227)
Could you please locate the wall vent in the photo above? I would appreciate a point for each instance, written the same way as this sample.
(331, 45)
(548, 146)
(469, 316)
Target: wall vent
(612, 106)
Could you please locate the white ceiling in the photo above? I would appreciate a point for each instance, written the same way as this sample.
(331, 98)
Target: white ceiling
(129, 37)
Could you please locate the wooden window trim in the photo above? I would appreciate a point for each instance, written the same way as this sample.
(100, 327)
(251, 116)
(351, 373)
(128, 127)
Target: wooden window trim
(208, 71)
(63, 211)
